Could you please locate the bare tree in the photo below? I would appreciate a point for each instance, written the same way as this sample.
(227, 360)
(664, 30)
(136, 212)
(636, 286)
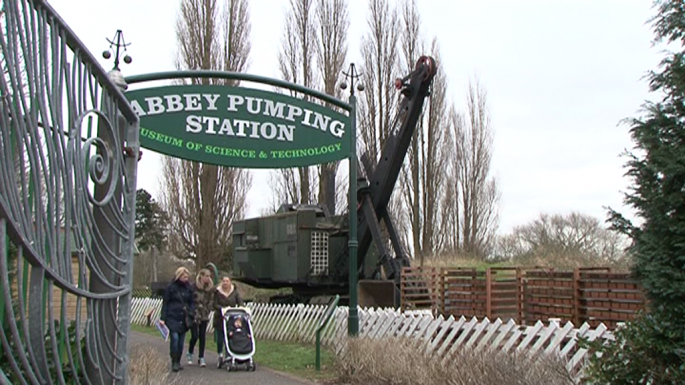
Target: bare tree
(450, 220)
(296, 64)
(411, 171)
(236, 36)
(333, 23)
(567, 241)
(427, 155)
(204, 200)
(475, 196)
(378, 104)
(213, 37)
(435, 156)
(313, 53)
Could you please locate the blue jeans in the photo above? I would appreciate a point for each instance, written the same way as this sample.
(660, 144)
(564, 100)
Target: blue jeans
(176, 341)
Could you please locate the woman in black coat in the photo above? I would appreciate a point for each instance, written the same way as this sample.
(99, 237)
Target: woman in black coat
(178, 302)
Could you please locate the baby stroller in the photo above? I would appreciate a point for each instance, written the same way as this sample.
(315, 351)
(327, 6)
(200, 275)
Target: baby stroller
(238, 339)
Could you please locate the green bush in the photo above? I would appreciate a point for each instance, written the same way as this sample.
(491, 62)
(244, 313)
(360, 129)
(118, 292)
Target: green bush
(65, 367)
(649, 350)
(144, 292)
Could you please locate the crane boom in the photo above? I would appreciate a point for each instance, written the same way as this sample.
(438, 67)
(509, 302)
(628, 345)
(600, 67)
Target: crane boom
(382, 178)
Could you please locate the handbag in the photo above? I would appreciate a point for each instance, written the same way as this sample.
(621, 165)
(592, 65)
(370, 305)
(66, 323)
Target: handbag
(188, 319)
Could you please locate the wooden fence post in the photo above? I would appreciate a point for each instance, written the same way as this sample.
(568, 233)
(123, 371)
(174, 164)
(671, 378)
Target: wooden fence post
(519, 296)
(488, 293)
(403, 277)
(442, 291)
(437, 294)
(576, 297)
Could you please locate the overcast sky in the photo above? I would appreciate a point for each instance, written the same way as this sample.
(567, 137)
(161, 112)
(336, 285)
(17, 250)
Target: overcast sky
(559, 75)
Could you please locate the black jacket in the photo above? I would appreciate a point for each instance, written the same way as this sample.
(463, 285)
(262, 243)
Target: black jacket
(173, 312)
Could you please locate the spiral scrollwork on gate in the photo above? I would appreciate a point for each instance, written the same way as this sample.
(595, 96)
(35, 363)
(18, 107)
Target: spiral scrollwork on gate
(99, 157)
(67, 206)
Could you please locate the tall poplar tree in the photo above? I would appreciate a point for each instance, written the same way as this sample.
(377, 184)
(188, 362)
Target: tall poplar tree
(203, 200)
(472, 194)
(428, 153)
(378, 103)
(313, 53)
(296, 64)
(333, 22)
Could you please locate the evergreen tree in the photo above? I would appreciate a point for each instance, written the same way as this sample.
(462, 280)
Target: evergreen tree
(152, 226)
(651, 349)
(151, 222)
(657, 170)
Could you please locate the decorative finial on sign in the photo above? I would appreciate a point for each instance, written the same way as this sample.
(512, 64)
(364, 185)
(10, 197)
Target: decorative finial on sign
(117, 42)
(352, 75)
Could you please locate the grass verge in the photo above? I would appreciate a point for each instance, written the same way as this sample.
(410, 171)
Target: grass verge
(293, 358)
(296, 359)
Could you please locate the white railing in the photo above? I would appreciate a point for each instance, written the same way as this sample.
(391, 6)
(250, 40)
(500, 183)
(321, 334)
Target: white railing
(141, 307)
(438, 336)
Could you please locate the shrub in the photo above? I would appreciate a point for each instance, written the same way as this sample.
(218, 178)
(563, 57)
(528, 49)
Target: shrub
(55, 370)
(400, 361)
(147, 367)
(649, 350)
(142, 292)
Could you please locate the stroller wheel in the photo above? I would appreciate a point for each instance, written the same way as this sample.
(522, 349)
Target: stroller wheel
(253, 367)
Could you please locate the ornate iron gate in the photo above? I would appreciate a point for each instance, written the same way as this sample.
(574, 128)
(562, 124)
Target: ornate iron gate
(67, 205)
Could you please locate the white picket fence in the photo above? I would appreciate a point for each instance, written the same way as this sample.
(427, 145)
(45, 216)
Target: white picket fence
(438, 336)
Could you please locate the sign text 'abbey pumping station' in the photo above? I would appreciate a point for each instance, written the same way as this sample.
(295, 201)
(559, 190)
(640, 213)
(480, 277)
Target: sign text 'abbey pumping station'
(239, 127)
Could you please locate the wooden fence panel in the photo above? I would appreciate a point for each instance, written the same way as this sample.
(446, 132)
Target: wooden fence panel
(419, 288)
(593, 295)
(548, 294)
(465, 292)
(609, 298)
(506, 294)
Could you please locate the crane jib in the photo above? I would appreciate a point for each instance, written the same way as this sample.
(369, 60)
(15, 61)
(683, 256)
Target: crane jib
(415, 88)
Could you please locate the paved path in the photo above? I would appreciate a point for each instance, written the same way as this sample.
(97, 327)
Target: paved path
(193, 374)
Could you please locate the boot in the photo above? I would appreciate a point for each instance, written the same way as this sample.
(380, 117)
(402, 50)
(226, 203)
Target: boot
(178, 360)
(174, 364)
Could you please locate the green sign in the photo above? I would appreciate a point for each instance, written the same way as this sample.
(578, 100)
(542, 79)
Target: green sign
(239, 127)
